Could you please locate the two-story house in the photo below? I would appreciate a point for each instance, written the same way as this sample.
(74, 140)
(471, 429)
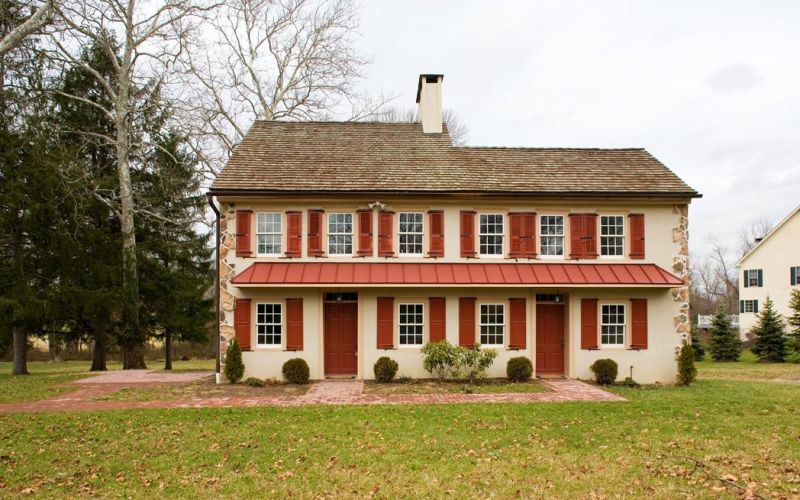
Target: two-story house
(343, 242)
(770, 269)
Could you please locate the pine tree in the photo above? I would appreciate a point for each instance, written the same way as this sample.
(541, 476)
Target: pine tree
(725, 342)
(697, 345)
(770, 337)
(794, 321)
(687, 372)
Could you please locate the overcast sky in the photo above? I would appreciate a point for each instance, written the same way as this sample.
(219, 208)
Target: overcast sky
(712, 89)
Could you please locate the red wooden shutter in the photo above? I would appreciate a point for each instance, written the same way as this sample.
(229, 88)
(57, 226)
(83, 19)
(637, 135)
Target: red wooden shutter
(637, 235)
(294, 232)
(583, 236)
(518, 317)
(385, 322)
(516, 247)
(241, 322)
(576, 247)
(315, 233)
(590, 235)
(467, 233)
(294, 324)
(466, 321)
(436, 315)
(243, 231)
(589, 331)
(385, 233)
(436, 232)
(529, 233)
(365, 232)
(639, 323)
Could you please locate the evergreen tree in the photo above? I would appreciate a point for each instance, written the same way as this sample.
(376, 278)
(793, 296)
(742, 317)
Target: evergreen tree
(794, 321)
(770, 337)
(697, 345)
(687, 372)
(234, 367)
(725, 342)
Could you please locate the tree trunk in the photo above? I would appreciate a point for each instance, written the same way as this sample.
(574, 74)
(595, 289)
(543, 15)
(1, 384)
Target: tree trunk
(168, 351)
(133, 356)
(20, 366)
(55, 347)
(99, 350)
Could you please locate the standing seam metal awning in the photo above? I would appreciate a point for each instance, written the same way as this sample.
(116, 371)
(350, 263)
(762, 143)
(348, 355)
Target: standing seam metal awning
(443, 273)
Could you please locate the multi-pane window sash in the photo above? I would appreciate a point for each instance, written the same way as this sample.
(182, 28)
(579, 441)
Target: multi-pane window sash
(491, 234)
(612, 235)
(612, 324)
(750, 306)
(411, 233)
(795, 275)
(340, 234)
(269, 324)
(751, 278)
(411, 324)
(268, 233)
(492, 324)
(551, 235)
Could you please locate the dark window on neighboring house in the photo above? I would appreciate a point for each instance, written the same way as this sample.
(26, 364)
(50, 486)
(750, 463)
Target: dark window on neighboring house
(753, 278)
(748, 306)
(794, 275)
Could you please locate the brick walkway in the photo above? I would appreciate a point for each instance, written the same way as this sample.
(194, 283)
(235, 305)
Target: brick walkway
(326, 392)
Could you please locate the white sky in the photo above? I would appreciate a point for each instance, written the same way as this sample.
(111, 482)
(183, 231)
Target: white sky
(711, 88)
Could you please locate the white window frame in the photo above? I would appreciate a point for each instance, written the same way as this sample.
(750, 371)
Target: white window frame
(622, 235)
(623, 325)
(420, 234)
(400, 324)
(279, 324)
(751, 278)
(541, 236)
(752, 303)
(501, 235)
(259, 234)
(328, 233)
(502, 325)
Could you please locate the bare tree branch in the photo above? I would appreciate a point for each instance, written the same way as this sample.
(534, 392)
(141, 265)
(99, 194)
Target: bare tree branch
(41, 17)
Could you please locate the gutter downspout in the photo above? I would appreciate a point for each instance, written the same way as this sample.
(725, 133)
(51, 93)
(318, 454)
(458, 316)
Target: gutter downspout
(217, 374)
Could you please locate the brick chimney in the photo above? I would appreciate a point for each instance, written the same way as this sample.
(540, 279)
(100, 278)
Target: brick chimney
(429, 101)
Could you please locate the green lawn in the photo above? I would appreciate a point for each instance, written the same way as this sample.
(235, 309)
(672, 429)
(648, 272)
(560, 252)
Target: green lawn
(429, 386)
(749, 368)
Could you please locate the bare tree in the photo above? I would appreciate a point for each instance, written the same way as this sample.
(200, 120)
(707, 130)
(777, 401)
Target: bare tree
(714, 281)
(749, 236)
(459, 132)
(41, 16)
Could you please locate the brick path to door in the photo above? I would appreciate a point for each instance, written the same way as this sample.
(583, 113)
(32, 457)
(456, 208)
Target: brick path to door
(326, 392)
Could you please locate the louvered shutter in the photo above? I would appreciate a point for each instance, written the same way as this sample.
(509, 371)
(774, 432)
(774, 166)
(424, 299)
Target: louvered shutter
(636, 222)
(516, 246)
(793, 273)
(244, 230)
(385, 234)
(583, 236)
(385, 322)
(466, 321)
(529, 235)
(365, 232)
(436, 232)
(639, 323)
(589, 331)
(755, 306)
(315, 233)
(467, 223)
(437, 318)
(518, 323)
(294, 232)
(294, 324)
(590, 236)
(760, 277)
(741, 306)
(241, 322)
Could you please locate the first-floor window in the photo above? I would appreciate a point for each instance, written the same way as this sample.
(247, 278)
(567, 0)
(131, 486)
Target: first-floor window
(340, 234)
(551, 239)
(612, 324)
(612, 235)
(410, 233)
(795, 275)
(491, 234)
(411, 324)
(749, 306)
(268, 324)
(268, 233)
(492, 324)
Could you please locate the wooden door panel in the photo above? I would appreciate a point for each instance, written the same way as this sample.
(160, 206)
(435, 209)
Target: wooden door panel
(341, 338)
(550, 338)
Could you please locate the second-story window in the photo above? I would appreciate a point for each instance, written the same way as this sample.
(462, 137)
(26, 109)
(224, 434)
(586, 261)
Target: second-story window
(612, 235)
(753, 278)
(551, 239)
(491, 234)
(268, 233)
(410, 232)
(340, 234)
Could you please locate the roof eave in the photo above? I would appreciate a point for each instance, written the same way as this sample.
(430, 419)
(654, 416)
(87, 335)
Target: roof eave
(549, 194)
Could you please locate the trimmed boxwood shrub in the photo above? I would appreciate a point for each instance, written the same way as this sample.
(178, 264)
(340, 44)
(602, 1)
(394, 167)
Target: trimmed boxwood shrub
(295, 371)
(385, 369)
(605, 371)
(519, 369)
(254, 382)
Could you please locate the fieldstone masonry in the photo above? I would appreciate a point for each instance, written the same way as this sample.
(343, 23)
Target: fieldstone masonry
(227, 244)
(680, 267)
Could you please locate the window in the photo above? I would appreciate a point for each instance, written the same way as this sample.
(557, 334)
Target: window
(268, 324)
(612, 325)
(748, 306)
(794, 273)
(411, 324)
(492, 324)
(753, 278)
(612, 235)
(410, 233)
(268, 233)
(491, 234)
(340, 234)
(551, 235)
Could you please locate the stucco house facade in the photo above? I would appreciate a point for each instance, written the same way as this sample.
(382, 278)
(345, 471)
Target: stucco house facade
(770, 269)
(340, 243)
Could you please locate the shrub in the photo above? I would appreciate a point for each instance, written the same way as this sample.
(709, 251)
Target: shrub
(443, 360)
(385, 369)
(725, 342)
(519, 369)
(605, 371)
(295, 371)
(687, 372)
(474, 361)
(254, 382)
(770, 335)
(234, 367)
(629, 382)
(440, 359)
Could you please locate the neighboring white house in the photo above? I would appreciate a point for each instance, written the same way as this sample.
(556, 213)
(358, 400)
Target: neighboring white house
(770, 269)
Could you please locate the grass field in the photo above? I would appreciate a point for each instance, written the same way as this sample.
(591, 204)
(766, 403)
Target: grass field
(664, 442)
(487, 386)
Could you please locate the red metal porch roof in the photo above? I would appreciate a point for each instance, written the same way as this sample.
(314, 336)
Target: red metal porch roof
(453, 274)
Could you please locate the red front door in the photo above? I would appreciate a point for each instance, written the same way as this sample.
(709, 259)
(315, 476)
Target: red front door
(550, 339)
(341, 338)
